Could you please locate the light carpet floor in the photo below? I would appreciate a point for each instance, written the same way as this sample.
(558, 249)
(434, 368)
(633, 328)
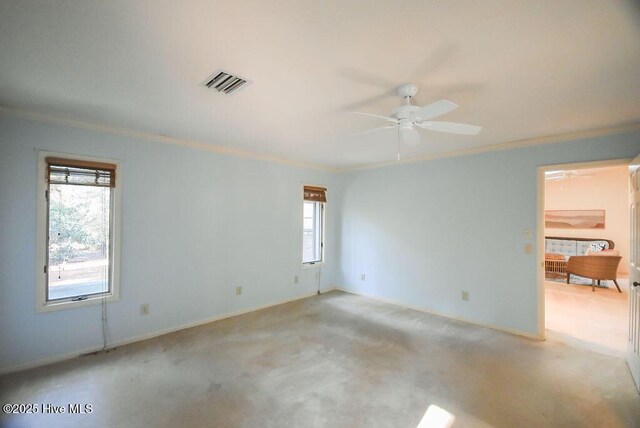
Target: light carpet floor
(335, 360)
(595, 317)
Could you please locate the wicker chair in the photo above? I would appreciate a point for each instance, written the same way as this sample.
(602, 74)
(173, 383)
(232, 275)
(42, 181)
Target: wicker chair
(596, 268)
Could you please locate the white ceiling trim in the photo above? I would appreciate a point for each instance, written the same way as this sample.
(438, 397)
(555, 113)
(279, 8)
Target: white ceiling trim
(551, 139)
(199, 145)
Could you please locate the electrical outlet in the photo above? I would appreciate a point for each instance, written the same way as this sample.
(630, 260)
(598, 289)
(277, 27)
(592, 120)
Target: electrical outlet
(144, 309)
(465, 295)
(295, 279)
(363, 277)
(238, 291)
(528, 248)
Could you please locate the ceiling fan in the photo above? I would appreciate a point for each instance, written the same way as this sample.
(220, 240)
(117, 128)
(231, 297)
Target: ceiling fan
(407, 117)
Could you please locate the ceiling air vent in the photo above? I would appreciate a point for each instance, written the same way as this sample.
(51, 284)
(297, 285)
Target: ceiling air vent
(225, 82)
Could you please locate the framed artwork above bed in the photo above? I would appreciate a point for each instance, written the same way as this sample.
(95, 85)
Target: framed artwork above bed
(574, 219)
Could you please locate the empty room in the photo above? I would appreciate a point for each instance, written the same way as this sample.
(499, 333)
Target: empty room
(319, 213)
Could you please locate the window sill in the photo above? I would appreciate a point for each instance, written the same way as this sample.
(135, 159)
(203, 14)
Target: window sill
(70, 304)
(313, 265)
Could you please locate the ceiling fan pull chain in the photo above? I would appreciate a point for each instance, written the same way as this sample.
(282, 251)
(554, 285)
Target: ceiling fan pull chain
(398, 143)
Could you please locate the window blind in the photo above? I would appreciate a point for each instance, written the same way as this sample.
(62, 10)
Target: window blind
(78, 172)
(316, 194)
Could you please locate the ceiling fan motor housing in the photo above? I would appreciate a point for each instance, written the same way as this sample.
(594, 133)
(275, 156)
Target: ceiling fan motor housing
(406, 91)
(404, 111)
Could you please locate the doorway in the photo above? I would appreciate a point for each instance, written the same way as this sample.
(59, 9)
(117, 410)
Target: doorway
(583, 211)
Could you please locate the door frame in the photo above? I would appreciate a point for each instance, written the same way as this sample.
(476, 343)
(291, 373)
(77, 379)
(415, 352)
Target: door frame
(540, 184)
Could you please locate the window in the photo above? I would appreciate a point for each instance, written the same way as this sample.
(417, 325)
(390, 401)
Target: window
(313, 224)
(78, 224)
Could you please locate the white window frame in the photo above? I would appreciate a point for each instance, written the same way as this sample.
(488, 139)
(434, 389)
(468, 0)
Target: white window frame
(323, 211)
(42, 305)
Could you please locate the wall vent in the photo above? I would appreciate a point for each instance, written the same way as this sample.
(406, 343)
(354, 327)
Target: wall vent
(225, 82)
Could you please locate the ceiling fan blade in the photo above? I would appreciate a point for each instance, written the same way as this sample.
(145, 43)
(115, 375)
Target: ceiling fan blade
(433, 110)
(410, 136)
(375, 129)
(450, 127)
(390, 119)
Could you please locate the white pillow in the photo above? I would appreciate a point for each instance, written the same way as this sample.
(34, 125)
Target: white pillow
(595, 247)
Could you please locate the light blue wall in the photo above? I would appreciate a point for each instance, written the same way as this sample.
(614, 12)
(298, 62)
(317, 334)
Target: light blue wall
(423, 232)
(195, 225)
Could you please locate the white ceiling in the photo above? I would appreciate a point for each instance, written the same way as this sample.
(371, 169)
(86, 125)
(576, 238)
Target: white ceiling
(522, 69)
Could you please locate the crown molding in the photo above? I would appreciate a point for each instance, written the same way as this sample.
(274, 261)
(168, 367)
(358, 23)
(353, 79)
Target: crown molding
(193, 144)
(200, 145)
(559, 138)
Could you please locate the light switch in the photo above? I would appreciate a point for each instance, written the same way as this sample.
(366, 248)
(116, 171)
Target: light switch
(528, 248)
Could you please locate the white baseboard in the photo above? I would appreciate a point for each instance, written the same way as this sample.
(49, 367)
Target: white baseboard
(64, 357)
(440, 314)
